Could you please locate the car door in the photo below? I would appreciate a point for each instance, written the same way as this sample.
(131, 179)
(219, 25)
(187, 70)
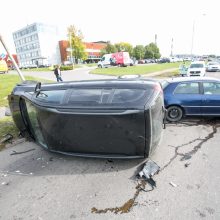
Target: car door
(187, 95)
(211, 98)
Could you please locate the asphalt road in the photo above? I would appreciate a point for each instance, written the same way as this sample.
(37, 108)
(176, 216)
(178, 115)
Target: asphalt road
(43, 185)
(70, 75)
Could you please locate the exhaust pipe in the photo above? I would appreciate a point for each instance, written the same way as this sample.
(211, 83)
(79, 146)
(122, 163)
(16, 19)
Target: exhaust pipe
(12, 59)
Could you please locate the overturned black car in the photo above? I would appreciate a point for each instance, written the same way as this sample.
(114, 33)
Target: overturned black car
(120, 118)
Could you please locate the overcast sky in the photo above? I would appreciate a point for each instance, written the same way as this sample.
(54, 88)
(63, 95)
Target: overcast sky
(132, 21)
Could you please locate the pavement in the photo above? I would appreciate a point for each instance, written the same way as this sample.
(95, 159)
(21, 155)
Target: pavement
(69, 75)
(37, 184)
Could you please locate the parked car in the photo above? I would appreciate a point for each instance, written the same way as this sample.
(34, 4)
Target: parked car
(191, 96)
(197, 68)
(141, 61)
(163, 60)
(121, 118)
(212, 67)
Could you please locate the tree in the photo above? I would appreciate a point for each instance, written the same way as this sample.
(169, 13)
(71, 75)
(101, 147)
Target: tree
(76, 45)
(110, 48)
(138, 52)
(152, 51)
(123, 46)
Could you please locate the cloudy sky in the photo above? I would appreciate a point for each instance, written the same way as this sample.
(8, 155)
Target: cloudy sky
(131, 21)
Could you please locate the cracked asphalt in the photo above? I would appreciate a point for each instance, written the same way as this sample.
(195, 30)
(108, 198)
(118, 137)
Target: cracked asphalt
(43, 185)
(40, 185)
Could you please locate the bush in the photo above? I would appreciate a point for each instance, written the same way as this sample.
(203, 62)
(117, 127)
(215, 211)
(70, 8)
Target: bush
(66, 68)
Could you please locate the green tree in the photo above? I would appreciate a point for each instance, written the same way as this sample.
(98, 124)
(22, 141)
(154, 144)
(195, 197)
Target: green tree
(76, 44)
(152, 51)
(138, 52)
(110, 48)
(123, 46)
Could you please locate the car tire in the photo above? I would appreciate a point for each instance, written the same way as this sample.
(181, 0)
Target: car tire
(174, 113)
(99, 66)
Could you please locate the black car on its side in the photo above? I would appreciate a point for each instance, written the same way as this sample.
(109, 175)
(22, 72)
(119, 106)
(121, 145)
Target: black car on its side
(120, 118)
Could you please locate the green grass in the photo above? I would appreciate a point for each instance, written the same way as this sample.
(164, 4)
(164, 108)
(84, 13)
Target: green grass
(7, 82)
(139, 69)
(172, 73)
(7, 126)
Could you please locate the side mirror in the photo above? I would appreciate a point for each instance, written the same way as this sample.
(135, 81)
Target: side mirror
(37, 89)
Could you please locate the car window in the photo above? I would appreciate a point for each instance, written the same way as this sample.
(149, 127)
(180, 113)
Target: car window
(197, 65)
(211, 88)
(127, 95)
(187, 88)
(85, 96)
(54, 96)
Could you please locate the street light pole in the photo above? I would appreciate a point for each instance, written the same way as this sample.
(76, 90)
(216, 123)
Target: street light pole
(193, 33)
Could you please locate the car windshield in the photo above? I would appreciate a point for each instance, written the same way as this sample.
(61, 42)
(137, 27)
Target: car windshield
(196, 65)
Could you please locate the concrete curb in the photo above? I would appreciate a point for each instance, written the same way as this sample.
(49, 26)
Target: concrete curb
(160, 72)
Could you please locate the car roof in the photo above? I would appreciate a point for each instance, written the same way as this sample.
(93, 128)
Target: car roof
(192, 79)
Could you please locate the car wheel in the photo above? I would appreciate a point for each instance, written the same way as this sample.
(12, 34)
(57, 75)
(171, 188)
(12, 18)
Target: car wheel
(174, 113)
(99, 66)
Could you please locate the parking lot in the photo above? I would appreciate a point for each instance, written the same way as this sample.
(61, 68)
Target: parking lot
(43, 185)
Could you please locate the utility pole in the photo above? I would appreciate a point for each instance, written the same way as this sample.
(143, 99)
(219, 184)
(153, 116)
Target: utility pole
(193, 32)
(12, 58)
(156, 39)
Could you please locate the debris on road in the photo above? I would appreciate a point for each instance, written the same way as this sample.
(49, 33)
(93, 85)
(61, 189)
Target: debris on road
(186, 164)
(173, 184)
(5, 183)
(150, 168)
(6, 138)
(22, 152)
(7, 112)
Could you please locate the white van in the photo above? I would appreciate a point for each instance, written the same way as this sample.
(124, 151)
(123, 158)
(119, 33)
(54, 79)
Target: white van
(197, 68)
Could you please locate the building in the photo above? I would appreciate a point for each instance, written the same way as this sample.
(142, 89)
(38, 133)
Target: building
(93, 50)
(37, 45)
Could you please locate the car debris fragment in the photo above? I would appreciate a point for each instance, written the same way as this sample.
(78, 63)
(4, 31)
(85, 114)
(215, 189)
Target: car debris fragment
(6, 138)
(173, 184)
(149, 170)
(22, 152)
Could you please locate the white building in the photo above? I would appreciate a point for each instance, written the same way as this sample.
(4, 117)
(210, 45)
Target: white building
(37, 44)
